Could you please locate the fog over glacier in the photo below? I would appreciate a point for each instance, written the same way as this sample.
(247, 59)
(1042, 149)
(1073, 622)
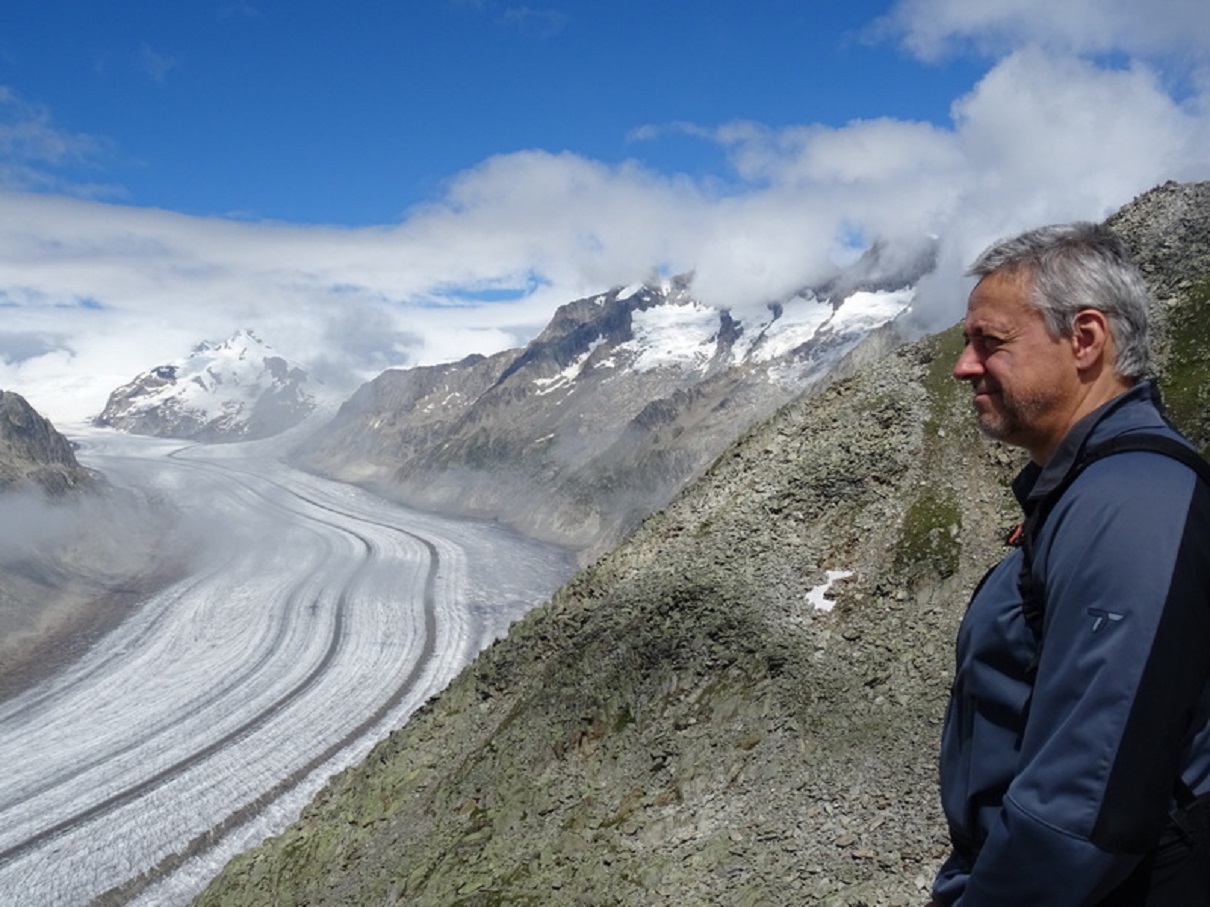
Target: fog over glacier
(314, 620)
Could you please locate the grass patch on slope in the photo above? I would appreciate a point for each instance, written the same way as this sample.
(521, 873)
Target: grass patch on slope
(930, 536)
(1185, 378)
(929, 539)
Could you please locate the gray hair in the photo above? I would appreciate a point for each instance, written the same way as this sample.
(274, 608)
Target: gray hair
(1073, 267)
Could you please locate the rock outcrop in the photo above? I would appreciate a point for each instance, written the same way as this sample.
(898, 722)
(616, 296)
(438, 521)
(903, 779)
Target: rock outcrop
(34, 454)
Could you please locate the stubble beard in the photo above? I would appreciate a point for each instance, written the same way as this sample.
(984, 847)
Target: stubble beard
(1013, 419)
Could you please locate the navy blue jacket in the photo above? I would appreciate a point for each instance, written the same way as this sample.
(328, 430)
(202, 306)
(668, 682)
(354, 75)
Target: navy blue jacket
(1058, 767)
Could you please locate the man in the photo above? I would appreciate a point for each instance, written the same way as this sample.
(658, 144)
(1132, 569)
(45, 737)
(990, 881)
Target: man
(1076, 746)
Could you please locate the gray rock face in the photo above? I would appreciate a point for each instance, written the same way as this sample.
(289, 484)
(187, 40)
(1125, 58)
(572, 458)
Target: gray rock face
(680, 724)
(623, 398)
(238, 390)
(33, 453)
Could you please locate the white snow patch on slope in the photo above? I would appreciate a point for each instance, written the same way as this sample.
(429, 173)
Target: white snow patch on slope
(627, 292)
(673, 336)
(864, 311)
(569, 374)
(801, 318)
(818, 596)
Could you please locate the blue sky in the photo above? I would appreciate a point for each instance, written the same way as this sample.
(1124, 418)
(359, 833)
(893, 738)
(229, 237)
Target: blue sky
(388, 184)
(318, 112)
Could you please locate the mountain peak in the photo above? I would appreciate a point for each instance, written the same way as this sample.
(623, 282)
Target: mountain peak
(234, 390)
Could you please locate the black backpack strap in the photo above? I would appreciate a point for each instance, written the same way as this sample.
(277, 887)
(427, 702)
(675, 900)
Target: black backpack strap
(1033, 599)
(1163, 444)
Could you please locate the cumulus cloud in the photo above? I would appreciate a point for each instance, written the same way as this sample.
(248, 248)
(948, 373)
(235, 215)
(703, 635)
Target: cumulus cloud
(93, 293)
(1041, 137)
(1173, 29)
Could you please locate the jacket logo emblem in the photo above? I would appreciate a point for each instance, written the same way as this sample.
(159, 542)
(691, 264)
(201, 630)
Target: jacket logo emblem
(1103, 617)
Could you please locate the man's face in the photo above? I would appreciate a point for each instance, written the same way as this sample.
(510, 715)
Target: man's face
(1023, 379)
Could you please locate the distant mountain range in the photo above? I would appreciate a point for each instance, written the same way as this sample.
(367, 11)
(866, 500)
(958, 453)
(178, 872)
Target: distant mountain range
(622, 399)
(574, 438)
(237, 390)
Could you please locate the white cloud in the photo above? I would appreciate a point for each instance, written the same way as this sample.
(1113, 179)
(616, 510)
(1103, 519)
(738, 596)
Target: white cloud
(1040, 120)
(933, 28)
(32, 146)
(883, 151)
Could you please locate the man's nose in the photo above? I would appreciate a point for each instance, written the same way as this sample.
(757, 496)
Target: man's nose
(968, 365)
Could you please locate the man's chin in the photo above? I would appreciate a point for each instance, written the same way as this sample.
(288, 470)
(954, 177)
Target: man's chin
(993, 427)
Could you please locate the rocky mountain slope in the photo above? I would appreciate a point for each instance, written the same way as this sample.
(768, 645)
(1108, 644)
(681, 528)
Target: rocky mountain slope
(600, 419)
(237, 390)
(681, 724)
(33, 454)
(74, 555)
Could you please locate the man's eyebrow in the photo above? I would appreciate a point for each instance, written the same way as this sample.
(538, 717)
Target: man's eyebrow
(981, 331)
(984, 327)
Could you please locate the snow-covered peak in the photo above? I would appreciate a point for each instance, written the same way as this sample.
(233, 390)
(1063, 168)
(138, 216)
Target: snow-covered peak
(236, 388)
(569, 374)
(774, 331)
(237, 346)
(786, 327)
(645, 328)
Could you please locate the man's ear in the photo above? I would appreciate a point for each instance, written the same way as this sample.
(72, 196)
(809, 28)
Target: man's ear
(1090, 338)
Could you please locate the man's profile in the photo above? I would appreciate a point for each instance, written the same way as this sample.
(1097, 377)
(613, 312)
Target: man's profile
(1075, 757)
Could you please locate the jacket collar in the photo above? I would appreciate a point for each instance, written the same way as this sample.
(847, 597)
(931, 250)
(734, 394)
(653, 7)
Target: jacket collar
(1139, 407)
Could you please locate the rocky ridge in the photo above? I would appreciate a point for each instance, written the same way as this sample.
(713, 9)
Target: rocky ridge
(34, 454)
(680, 724)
